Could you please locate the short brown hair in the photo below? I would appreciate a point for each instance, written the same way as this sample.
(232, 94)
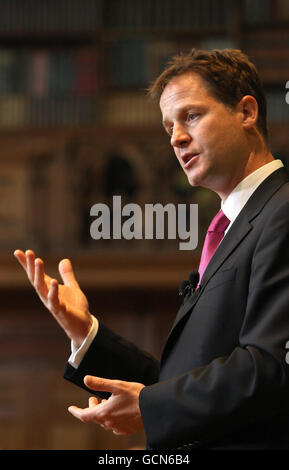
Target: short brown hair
(229, 74)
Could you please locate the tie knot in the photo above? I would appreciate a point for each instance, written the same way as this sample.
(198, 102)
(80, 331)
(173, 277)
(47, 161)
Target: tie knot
(219, 223)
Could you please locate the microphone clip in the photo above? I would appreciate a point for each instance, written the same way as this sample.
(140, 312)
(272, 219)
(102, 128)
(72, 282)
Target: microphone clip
(189, 286)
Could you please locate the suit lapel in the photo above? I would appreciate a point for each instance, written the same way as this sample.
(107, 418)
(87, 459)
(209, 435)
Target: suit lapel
(238, 231)
(230, 242)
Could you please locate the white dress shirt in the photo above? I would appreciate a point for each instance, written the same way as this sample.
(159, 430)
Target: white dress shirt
(244, 190)
(231, 208)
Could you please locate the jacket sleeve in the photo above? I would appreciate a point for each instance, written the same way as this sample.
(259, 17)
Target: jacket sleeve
(111, 356)
(248, 386)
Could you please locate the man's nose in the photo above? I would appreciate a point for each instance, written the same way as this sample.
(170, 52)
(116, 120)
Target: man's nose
(180, 137)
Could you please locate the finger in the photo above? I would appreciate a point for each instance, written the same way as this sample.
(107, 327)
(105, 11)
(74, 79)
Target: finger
(85, 414)
(105, 427)
(66, 272)
(39, 279)
(21, 258)
(76, 412)
(101, 384)
(52, 297)
(119, 433)
(93, 401)
(30, 257)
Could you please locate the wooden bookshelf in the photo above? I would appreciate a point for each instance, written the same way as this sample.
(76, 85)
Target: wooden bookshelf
(62, 135)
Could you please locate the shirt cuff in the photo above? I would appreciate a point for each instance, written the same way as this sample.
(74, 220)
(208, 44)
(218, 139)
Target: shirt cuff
(77, 354)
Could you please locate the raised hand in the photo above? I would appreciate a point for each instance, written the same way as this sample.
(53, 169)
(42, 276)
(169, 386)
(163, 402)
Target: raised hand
(120, 413)
(66, 301)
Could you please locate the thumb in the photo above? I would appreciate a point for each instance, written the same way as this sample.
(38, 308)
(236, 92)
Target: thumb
(100, 384)
(66, 272)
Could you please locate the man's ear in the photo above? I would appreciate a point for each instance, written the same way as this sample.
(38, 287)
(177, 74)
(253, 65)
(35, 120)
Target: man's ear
(248, 107)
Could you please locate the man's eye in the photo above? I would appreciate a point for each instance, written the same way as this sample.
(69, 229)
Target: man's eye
(191, 116)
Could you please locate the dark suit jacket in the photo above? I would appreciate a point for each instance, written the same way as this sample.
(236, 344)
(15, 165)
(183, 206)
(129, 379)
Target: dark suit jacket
(223, 379)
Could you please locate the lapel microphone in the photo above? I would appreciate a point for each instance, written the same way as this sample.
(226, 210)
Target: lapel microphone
(188, 286)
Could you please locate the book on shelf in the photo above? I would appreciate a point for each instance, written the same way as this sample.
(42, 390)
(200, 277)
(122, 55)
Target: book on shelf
(8, 71)
(37, 76)
(62, 72)
(269, 51)
(13, 111)
(165, 14)
(122, 14)
(135, 14)
(127, 63)
(87, 72)
(61, 111)
(257, 11)
(159, 53)
(277, 107)
(35, 17)
(128, 108)
(136, 62)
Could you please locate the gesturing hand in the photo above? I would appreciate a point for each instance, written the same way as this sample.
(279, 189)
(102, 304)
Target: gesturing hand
(120, 413)
(66, 301)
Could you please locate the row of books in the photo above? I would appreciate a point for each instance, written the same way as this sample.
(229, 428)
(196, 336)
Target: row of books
(120, 108)
(269, 51)
(19, 111)
(264, 11)
(115, 109)
(136, 62)
(68, 17)
(133, 108)
(86, 16)
(129, 109)
(42, 17)
(159, 14)
(41, 73)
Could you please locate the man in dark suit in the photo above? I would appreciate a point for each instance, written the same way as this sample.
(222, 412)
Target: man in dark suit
(223, 379)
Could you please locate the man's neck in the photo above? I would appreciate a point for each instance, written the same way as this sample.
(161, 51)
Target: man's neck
(255, 161)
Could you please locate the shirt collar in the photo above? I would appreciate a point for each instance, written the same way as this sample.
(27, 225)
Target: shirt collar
(244, 190)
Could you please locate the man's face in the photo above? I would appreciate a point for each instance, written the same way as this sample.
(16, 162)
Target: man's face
(207, 136)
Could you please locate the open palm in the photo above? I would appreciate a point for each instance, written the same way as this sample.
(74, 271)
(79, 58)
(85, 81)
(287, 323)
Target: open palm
(66, 301)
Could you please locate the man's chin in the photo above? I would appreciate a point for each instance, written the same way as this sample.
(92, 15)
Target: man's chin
(193, 180)
(199, 178)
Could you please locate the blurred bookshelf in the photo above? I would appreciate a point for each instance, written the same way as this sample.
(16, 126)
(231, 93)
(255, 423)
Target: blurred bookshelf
(76, 126)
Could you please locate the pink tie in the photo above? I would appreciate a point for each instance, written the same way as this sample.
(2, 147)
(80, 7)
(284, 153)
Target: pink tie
(214, 235)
